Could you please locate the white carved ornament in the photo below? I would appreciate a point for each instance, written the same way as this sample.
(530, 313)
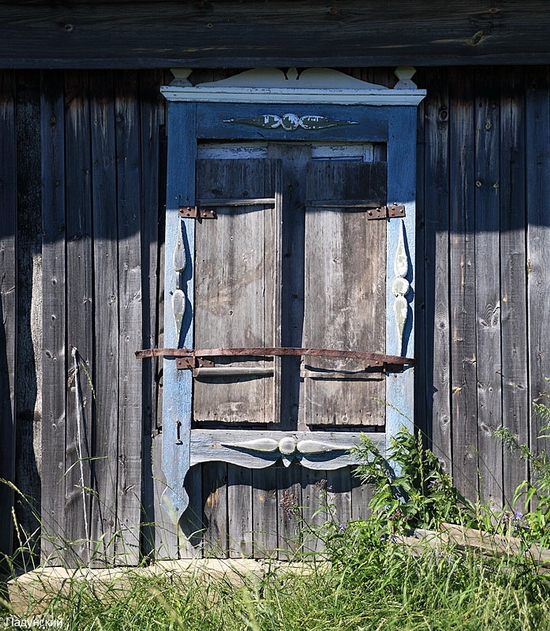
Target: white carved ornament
(289, 447)
(401, 286)
(290, 122)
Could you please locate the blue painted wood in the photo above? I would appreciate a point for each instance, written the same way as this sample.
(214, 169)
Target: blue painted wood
(401, 189)
(369, 122)
(189, 122)
(178, 384)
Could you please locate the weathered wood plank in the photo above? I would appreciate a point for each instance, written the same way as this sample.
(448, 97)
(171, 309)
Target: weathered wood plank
(289, 496)
(239, 511)
(264, 512)
(361, 495)
(151, 114)
(214, 487)
(538, 241)
(80, 328)
(8, 301)
(339, 497)
(237, 262)
(487, 283)
(239, 34)
(106, 312)
(54, 359)
(165, 540)
(128, 154)
(191, 524)
(513, 273)
(462, 284)
(29, 300)
(433, 372)
(314, 513)
(344, 293)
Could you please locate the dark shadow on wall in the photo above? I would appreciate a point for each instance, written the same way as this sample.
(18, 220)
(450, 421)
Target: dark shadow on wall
(29, 311)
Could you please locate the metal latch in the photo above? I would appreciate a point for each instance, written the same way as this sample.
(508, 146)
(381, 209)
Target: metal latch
(386, 212)
(189, 363)
(196, 212)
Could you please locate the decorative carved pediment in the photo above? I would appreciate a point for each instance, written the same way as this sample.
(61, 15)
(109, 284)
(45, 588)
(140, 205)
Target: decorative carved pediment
(272, 85)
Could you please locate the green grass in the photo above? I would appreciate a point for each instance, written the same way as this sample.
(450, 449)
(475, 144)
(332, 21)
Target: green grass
(371, 583)
(366, 579)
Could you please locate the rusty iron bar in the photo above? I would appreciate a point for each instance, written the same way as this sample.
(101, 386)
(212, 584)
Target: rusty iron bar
(376, 358)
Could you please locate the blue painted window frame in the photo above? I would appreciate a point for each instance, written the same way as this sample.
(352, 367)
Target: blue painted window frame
(191, 122)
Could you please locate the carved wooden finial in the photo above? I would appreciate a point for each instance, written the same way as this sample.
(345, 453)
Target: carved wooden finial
(405, 75)
(181, 77)
(292, 74)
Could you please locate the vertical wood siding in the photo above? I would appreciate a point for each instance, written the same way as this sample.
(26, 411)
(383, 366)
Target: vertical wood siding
(85, 249)
(484, 227)
(8, 299)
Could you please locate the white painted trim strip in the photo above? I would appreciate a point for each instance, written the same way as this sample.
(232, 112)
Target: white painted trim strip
(292, 95)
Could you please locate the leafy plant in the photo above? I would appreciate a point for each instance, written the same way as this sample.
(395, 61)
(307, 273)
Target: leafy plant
(411, 489)
(533, 493)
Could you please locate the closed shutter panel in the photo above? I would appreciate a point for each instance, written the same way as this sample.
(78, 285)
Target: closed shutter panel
(345, 293)
(237, 290)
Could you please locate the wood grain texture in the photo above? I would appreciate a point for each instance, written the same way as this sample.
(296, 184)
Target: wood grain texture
(513, 273)
(214, 488)
(339, 497)
(264, 513)
(344, 294)
(80, 328)
(106, 310)
(289, 501)
(538, 242)
(452, 320)
(119, 34)
(314, 509)
(294, 159)
(433, 374)
(151, 116)
(177, 385)
(192, 525)
(8, 301)
(29, 300)
(236, 297)
(54, 364)
(401, 160)
(130, 326)
(462, 285)
(239, 515)
(487, 290)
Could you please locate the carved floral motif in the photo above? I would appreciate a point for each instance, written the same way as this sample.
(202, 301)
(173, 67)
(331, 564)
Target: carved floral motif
(290, 122)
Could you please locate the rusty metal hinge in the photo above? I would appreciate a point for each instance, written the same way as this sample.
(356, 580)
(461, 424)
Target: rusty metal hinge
(196, 212)
(386, 212)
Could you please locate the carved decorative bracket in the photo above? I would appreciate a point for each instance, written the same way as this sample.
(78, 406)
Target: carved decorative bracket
(314, 450)
(401, 286)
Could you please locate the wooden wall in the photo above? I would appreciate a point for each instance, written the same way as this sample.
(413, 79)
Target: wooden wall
(482, 281)
(82, 163)
(243, 34)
